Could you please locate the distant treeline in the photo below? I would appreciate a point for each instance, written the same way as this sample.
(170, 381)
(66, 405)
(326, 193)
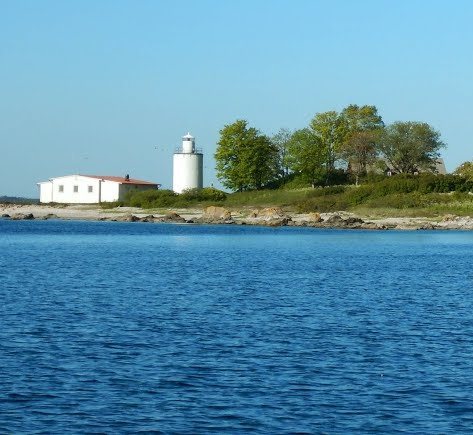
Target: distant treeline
(17, 200)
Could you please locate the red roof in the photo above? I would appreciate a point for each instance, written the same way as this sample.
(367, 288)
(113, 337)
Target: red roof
(122, 180)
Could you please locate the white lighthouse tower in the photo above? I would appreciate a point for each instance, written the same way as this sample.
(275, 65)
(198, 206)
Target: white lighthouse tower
(187, 166)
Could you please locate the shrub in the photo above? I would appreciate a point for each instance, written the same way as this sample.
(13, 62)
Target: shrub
(322, 204)
(295, 181)
(203, 195)
(168, 198)
(151, 198)
(326, 191)
(109, 205)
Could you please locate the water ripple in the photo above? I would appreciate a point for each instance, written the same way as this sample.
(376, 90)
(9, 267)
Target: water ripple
(171, 329)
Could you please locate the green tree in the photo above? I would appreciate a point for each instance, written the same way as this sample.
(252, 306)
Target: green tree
(281, 141)
(245, 158)
(307, 155)
(465, 170)
(410, 147)
(360, 118)
(330, 131)
(362, 126)
(360, 150)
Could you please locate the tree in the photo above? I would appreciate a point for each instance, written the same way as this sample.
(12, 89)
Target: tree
(465, 170)
(330, 131)
(281, 141)
(245, 158)
(360, 151)
(361, 118)
(362, 126)
(410, 146)
(307, 155)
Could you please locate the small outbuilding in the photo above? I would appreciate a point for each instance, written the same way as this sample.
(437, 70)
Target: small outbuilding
(90, 189)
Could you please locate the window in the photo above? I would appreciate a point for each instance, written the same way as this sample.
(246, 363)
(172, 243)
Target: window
(76, 189)
(91, 189)
(61, 188)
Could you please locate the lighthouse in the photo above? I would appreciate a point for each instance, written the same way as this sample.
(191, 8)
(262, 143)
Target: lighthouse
(187, 166)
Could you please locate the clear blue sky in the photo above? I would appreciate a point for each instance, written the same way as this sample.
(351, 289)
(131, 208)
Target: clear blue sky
(109, 86)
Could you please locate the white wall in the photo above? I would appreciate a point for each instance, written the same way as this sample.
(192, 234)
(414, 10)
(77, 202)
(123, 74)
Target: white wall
(62, 190)
(45, 191)
(187, 171)
(110, 191)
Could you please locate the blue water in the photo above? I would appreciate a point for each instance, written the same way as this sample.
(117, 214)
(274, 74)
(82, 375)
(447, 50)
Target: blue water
(153, 328)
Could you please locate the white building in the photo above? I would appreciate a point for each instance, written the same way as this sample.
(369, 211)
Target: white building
(187, 166)
(89, 189)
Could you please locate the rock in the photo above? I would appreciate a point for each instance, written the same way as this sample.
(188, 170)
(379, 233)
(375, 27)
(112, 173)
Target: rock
(149, 218)
(427, 226)
(275, 222)
(371, 226)
(404, 227)
(50, 216)
(314, 217)
(337, 221)
(5, 215)
(269, 216)
(268, 213)
(128, 218)
(217, 215)
(334, 219)
(353, 220)
(173, 217)
(22, 216)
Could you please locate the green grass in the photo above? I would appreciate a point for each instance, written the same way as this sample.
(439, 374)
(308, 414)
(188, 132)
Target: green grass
(266, 198)
(400, 195)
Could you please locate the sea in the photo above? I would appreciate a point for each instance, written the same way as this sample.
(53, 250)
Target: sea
(109, 327)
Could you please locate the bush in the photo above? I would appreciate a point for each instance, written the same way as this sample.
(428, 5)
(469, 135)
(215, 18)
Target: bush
(109, 205)
(336, 177)
(295, 181)
(399, 201)
(203, 195)
(150, 198)
(323, 204)
(168, 198)
(326, 191)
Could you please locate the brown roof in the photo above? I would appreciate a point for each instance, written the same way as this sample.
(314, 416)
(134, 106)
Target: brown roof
(122, 180)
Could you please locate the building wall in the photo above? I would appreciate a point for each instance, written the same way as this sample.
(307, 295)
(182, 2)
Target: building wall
(187, 171)
(125, 188)
(75, 189)
(109, 191)
(45, 192)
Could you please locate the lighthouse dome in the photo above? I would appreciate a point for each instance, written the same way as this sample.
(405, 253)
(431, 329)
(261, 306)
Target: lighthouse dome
(188, 143)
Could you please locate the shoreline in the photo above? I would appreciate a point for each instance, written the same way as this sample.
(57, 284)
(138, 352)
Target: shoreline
(269, 216)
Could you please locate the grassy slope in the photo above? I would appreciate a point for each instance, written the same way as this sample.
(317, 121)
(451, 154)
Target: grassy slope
(425, 195)
(395, 204)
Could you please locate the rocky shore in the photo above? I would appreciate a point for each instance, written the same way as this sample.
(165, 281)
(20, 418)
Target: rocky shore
(271, 216)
